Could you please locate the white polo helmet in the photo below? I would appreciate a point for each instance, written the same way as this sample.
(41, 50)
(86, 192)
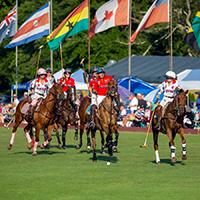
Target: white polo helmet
(170, 74)
(41, 71)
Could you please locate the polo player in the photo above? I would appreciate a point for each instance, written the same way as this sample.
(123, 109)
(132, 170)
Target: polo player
(50, 77)
(101, 90)
(168, 88)
(68, 82)
(38, 90)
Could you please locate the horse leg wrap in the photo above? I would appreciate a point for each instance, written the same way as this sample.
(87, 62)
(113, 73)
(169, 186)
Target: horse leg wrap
(157, 156)
(29, 140)
(35, 147)
(184, 152)
(12, 139)
(173, 151)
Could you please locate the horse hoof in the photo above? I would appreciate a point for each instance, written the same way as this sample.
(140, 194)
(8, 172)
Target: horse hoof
(42, 146)
(10, 146)
(158, 162)
(114, 149)
(184, 157)
(78, 146)
(59, 146)
(30, 145)
(173, 160)
(64, 147)
(34, 154)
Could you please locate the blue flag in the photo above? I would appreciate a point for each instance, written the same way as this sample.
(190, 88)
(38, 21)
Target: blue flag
(7, 26)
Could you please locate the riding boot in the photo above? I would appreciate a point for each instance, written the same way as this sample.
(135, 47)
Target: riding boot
(93, 114)
(30, 112)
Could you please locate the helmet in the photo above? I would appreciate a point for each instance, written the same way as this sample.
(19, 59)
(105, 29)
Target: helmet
(170, 74)
(49, 70)
(101, 70)
(67, 71)
(95, 69)
(41, 71)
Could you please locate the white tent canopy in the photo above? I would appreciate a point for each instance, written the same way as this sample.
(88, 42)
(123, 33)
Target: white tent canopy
(189, 79)
(78, 77)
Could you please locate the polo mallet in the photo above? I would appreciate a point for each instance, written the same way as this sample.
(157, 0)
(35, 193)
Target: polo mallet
(148, 130)
(39, 55)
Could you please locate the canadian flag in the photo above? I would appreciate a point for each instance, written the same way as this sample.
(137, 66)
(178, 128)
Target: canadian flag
(113, 13)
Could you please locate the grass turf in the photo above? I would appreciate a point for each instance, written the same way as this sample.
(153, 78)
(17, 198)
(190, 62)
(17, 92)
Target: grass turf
(70, 174)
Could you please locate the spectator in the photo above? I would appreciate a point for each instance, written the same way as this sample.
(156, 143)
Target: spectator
(133, 103)
(141, 102)
(1, 113)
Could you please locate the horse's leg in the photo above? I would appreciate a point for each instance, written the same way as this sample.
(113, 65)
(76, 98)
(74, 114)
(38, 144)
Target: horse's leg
(110, 144)
(115, 144)
(102, 142)
(155, 141)
(76, 135)
(82, 125)
(88, 139)
(18, 120)
(37, 138)
(58, 138)
(64, 131)
(183, 143)
(171, 145)
(29, 136)
(93, 133)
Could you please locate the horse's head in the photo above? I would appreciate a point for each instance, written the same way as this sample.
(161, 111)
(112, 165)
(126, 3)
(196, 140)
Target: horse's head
(112, 88)
(56, 91)
(181, 102)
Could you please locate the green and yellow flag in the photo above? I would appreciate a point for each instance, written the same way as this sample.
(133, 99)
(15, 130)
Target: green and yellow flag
(193, 36)
(74, 23)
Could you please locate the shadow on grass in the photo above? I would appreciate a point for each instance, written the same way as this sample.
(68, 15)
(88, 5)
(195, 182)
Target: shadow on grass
(70, 146)
(42, 152)
(106, 158)
(168, 161)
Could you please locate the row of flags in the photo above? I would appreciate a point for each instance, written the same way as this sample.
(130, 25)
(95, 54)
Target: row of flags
(111, 14)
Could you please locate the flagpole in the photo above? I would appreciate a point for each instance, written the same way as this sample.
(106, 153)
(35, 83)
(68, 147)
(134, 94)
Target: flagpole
(171, 36)
(51, 28)
(89, 40)
(16, 52)
(61, 56)
(129, 45)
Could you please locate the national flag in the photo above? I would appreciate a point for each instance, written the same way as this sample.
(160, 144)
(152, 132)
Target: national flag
(111, 14)
(157, 13)
(8, 25)
(74, 23)
(34, 28)
(193, 36)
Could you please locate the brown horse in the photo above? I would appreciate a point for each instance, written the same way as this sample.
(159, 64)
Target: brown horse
(171, 123)
(43, 118)
(66, 116)
(106, 120)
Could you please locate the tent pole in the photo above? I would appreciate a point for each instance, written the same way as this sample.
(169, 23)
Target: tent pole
(129, 45)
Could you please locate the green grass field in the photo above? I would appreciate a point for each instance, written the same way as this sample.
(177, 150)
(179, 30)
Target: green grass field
(70, 174)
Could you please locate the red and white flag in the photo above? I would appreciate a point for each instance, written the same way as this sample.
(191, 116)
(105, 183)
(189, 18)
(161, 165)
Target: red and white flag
(157, 13)
(113, 13)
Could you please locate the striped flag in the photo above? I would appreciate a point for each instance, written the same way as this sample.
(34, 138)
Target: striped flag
(111, 14)
(34, 28)
(74, 23)
(157, 13)
(8, 25)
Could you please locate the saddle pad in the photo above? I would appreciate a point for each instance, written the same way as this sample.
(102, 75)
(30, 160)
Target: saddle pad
(25, 108)
(88, 111)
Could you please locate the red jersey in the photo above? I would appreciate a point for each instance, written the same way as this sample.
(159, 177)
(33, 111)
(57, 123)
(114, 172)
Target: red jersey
(103, 85)
(93, 84)
(67, 83)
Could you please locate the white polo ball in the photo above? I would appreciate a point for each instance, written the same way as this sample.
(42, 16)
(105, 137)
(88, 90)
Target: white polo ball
(108, 163)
